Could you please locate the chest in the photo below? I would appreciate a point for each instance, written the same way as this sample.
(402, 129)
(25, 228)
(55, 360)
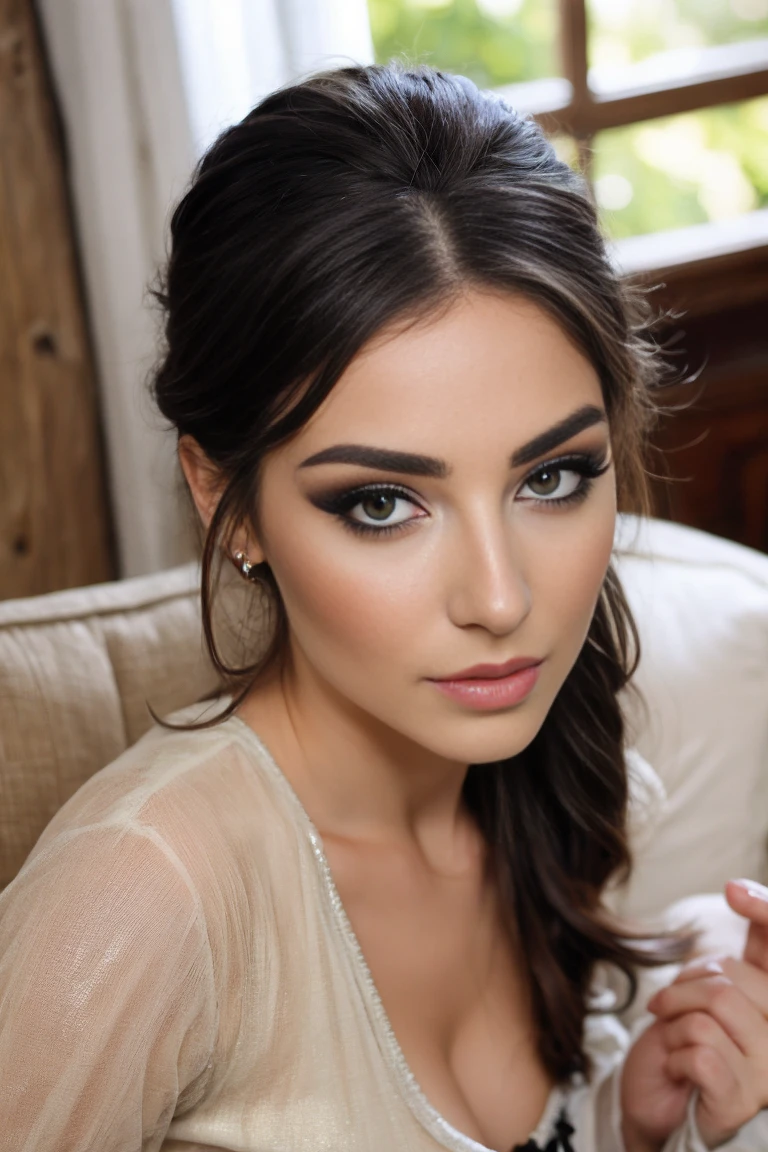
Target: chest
(452, 988)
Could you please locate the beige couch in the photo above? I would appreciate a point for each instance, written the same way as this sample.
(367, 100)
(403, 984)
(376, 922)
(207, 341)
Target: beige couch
(77, 668)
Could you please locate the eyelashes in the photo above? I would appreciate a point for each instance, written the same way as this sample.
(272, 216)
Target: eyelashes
(587, 466)
(343, 503)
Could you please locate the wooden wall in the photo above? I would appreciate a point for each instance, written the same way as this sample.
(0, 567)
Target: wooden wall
(54, 526)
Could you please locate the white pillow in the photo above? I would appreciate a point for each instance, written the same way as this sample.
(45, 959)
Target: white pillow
(701, 606)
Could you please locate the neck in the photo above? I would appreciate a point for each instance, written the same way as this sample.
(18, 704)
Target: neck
(357, 778)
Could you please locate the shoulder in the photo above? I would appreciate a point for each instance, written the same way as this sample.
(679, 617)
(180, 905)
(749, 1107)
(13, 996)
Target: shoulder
(204, 813)
(90, 879)
(209, 786)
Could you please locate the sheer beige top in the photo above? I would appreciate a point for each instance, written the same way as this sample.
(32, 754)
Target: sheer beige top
(177, 971)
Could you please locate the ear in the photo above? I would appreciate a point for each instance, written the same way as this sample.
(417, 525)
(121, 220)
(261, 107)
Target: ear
(206, 484)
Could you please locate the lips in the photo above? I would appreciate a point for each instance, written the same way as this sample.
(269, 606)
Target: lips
(491, 671)
(492, 687)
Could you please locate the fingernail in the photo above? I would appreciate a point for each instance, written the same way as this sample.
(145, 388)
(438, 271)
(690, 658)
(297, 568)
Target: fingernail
(753, 889)
(713, 967)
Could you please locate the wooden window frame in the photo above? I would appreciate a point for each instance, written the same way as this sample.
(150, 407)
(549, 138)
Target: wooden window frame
(727, 73)
(724, 255)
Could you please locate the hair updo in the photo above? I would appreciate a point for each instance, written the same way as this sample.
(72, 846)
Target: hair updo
(365, 196)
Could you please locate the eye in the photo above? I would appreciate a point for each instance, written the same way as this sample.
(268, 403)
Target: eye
(374, 509)
(558, 483)
(384, 506)
(567, 480)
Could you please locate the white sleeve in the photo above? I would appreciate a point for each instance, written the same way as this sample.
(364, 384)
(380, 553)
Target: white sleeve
(751, 1137)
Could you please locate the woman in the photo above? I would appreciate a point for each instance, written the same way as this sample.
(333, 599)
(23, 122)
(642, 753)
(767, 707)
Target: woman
(360, 908)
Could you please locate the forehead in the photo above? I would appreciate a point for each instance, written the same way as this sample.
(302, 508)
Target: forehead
(489, 370)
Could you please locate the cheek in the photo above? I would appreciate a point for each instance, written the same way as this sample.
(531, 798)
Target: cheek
(344, 605)
(570, 579)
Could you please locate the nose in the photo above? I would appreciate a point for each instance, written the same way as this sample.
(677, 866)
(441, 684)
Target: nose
(487, 583)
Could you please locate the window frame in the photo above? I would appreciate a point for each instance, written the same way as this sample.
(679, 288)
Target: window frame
(570, 105)
(725, 77)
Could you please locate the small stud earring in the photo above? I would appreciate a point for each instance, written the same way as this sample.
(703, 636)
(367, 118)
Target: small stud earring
(245, 567)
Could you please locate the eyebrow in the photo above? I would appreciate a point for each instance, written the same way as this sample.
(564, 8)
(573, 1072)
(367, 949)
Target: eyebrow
(386, 460)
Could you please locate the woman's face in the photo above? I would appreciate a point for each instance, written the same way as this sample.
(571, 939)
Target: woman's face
(442, 510)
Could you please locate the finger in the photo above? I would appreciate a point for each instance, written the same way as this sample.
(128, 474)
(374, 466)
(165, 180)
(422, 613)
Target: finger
(721, 1109)
(706, 1068)
(687, 995)
(750, 979)
(709, 965)
(750, 899)
(721, 999)
(699, 1029)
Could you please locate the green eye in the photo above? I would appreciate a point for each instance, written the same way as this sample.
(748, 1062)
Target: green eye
(380, 506)
(546, 482)
(556, 485)
(372, 510)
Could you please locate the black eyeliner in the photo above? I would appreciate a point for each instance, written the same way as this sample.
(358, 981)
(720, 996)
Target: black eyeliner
(346, 498)
(589, 465)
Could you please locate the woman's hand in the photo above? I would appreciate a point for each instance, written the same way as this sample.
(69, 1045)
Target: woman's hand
(711, 1033)
(653, 1103)
(714, 1029)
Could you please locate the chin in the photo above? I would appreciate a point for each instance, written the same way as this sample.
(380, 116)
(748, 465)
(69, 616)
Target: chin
(487, 738)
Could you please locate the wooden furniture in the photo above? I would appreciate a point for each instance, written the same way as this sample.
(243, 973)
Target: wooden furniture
(714, 448)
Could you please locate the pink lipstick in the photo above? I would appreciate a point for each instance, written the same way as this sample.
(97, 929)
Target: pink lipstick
(486, 687)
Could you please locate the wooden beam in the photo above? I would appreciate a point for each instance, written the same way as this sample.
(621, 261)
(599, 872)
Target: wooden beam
(573, 48)
(723, 74)
(690, 95)
(54, 529)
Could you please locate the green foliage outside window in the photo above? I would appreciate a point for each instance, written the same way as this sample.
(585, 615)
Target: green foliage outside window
(681, 170)
(627, 31)
(493, 42)
(668, 173)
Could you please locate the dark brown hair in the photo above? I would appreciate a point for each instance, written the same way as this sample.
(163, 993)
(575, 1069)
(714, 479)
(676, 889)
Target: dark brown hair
(367, 196)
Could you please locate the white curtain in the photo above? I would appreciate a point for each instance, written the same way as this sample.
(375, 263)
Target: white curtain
(143, 87)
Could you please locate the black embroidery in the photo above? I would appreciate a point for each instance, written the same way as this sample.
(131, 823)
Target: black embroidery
(560, 1142)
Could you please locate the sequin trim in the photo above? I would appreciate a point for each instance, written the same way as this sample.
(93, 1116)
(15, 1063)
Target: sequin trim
(428, 1116)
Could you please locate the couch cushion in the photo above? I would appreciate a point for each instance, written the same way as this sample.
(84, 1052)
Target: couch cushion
(76, 670)
(701, 604)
